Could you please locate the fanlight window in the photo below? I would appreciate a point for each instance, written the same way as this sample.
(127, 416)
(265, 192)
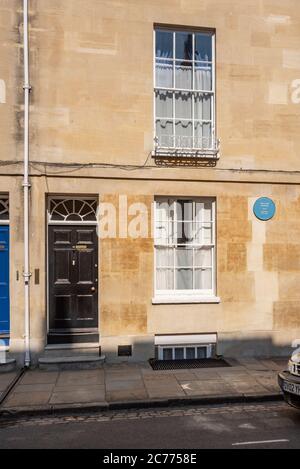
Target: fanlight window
(73, 210)
(4, 208)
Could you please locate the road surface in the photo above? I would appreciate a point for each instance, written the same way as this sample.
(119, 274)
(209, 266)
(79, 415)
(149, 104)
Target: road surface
(267, 425)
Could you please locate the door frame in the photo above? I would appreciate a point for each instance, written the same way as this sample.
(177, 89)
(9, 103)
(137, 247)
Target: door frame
(50, 222)
(6, 222)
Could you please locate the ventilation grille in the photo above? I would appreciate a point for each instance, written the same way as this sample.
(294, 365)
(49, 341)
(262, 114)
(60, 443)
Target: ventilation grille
(181, 364)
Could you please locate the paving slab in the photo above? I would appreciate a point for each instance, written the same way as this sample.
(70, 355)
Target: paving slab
(118, 376)
(6, 379)
(39, 377)
(121, 383)
(277, 365)
(93, 393)
(126, 395)
(244, 387)
(166, 387)
(21, 399)
(124, 385)
(207, 388)
(86, 377)
(252, 364)
(44, 387)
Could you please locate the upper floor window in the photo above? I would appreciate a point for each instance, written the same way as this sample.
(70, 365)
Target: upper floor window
(184, 91)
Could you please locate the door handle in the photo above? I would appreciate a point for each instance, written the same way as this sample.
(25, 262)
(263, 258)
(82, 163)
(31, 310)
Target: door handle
(93, 289)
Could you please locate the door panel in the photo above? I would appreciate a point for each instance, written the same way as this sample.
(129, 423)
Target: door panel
(4, 280)
(73, 288)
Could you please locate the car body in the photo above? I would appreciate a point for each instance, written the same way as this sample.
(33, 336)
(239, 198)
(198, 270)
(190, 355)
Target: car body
(289, 381)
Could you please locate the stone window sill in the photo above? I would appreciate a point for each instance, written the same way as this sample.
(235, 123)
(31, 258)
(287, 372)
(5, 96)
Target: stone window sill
(161, 300)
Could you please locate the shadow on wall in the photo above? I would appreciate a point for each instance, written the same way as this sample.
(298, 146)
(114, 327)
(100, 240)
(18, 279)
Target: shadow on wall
(143, 350)
(230, 348)
(254, 347)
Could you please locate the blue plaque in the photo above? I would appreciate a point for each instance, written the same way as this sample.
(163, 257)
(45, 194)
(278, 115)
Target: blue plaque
(264, 208)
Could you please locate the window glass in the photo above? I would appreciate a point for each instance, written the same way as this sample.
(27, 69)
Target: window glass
(164, 279)
(164, 132)
(203, 105)
(190, 353)
(184, 257)
(184, 279)
(179, 353)
(184, 46)
(201, 352)
(164, 73)
(167, 354)
(203, 47)
(164, 44)
(183, 76)
(202, 77)
(164, 104)
(203, 279)
(183, 105)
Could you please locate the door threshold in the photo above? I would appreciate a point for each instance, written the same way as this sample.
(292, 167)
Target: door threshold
(59, 338)
(78, 345)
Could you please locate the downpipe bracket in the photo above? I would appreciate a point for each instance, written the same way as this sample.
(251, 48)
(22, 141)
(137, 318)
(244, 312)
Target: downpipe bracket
(27, 276)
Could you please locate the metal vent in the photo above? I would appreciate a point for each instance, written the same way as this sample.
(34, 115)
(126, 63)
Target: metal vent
(182, 364)
(124, 350)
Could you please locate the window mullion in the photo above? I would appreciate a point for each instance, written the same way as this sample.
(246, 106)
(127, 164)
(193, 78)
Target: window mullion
(213, 67)
(175, 242)
(193, 96)
(174, 86)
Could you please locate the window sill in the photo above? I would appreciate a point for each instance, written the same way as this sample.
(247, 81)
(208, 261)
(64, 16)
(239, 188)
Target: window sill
(185, 300)
(208, 154)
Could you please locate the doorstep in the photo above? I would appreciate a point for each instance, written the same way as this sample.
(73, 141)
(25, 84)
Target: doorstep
(74, 362)
(7, 365)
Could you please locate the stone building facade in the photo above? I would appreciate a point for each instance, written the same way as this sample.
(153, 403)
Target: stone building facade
(99, 71)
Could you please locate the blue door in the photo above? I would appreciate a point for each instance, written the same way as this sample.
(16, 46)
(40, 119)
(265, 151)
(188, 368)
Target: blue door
(4, 280)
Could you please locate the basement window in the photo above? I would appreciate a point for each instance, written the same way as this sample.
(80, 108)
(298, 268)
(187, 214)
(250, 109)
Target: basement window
(185, 346)
(188, 352)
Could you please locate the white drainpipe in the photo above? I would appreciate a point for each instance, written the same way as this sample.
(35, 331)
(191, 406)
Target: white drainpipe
(26, 186)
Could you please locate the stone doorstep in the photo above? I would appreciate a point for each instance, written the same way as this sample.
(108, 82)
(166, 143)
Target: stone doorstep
(80, 362)
(71, 350)
(7, 364)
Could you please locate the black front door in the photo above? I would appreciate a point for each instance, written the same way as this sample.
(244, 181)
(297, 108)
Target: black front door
(73, 283)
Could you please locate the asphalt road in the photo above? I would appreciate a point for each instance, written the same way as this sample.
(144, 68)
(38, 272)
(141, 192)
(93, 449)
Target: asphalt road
(268, 425)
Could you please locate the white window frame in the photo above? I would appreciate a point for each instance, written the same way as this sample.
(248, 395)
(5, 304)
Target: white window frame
(5, 221)
(190, 295)
(214, 141)
(161, 349)
(51, 221)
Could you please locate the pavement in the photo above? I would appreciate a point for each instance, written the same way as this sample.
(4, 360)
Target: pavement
(271, 425)
(137, 385)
